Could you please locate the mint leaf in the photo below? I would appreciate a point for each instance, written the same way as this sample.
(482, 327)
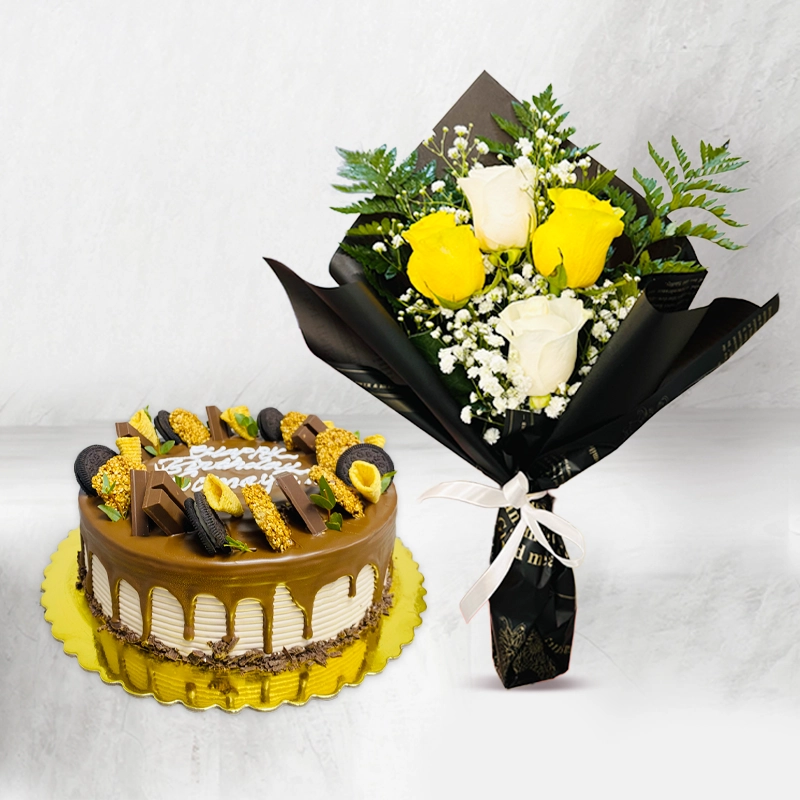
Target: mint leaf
(150, 449)
(110, 512)
(248, 423)
(327, 492)
(166, 447)
(322, 502)
(386, 480)
(335, 522)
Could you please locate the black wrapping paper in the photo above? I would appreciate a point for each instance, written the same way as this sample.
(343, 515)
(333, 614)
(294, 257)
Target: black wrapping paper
(661, 349)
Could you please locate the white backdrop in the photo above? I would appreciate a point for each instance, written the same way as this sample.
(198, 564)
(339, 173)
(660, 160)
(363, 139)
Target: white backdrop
(153, 153)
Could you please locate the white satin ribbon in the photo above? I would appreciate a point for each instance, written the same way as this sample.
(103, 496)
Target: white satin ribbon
(513, 494)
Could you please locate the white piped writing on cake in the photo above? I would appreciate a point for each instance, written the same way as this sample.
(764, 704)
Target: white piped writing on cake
(262, 462)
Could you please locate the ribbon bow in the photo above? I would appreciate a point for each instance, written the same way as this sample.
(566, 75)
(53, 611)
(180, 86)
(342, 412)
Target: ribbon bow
(513, 494)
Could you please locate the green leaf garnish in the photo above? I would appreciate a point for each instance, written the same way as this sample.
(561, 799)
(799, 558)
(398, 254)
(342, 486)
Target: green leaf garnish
(110, 512)
(335, 522)
(386, 480)
(108, 485)
(248, 423)
(181, 481)
(163, 448)
(235, 544)
(322, 502)
(326, 499)
(146, 410)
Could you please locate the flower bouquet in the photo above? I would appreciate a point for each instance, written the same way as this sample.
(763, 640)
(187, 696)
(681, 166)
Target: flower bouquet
(529, 310)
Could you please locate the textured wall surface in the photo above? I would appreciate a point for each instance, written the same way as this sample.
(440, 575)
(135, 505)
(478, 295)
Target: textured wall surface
(152, 154)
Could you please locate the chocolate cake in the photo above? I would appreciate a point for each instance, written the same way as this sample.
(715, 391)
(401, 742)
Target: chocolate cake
(305, 567)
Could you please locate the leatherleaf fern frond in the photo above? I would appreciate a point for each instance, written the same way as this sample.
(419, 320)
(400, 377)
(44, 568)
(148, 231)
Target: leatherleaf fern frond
(377, 173)
(688, 186)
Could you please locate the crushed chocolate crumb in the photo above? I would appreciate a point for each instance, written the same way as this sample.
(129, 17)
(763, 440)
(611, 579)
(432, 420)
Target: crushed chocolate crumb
(81, 570)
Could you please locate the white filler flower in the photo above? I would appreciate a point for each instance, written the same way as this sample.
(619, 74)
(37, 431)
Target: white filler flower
(543, 334)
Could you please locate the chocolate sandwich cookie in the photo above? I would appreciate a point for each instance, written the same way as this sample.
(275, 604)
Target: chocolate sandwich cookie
(196, 528)
(88, 462)
(164, 429)
(206, 524)
(269, 424)
(363, 451)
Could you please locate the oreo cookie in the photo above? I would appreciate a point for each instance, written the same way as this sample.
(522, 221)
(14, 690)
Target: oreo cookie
(269, 424)
(211, 530)
(363, 451)
(88, 462)
(164, 429)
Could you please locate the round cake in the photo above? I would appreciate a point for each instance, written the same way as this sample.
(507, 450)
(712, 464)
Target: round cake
(303, 569)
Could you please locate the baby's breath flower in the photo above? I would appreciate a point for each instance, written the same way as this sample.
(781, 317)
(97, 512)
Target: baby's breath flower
(555, 408)
(492, 435)
(437, 186)
(461, 130)
(379, 247)
(466, 415)
(482, 148)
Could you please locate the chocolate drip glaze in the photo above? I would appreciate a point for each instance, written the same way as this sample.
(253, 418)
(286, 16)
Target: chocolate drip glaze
(180, 565)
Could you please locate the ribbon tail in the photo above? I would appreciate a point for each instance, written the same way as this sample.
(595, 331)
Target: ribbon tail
(559, 526)
(489, 582)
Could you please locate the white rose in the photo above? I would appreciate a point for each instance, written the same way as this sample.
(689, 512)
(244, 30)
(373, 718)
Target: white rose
(503, 212)
(543, 337)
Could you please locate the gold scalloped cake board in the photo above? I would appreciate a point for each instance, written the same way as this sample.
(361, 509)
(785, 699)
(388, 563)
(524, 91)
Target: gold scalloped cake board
(141, 673)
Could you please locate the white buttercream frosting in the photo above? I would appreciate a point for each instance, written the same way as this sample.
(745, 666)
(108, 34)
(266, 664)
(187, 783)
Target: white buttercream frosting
(334, 611)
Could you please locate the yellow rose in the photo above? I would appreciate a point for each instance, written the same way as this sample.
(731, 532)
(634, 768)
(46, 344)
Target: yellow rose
(578, 232)
(446, 261)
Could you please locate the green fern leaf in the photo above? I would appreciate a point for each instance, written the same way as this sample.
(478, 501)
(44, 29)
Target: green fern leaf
(598, 184)
(375, 205)
(514, 131)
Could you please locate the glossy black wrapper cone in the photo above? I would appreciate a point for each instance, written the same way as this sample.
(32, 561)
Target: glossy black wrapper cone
(661, 349)
(533, 610)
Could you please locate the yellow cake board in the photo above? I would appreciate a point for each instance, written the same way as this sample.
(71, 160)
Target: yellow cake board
(141, 673)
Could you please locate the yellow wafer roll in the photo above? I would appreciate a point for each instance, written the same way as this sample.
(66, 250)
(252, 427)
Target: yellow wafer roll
(142, 422)
(229, 416)
(366, 478)
(130, 448)
(220, 496)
